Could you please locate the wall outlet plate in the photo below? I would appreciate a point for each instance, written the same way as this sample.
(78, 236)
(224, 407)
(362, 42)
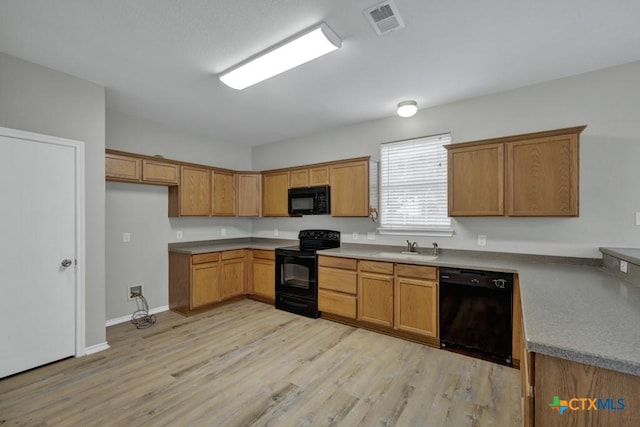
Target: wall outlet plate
(371, 235)
(355, 236)
(482, 240)
(126, 237)
(223, 231)
(133, 290)
(179, 234)
(624, 266)
(276, 232)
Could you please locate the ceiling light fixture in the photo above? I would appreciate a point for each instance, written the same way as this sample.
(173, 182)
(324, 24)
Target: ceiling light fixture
(407, 108)
(310, 44)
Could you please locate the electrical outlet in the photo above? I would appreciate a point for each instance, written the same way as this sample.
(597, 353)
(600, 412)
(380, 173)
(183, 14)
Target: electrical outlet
(223, 231)
(276, 232)
(179, 234)
(126, 237)
(355, 235)
(482, 240)
(133, 291)
(637, 218)
(371, 235)
(623, 266)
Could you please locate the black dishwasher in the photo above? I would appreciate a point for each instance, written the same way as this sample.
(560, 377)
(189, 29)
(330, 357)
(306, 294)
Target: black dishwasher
(476, 313)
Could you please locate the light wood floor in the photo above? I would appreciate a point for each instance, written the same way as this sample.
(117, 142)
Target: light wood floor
(249, 364)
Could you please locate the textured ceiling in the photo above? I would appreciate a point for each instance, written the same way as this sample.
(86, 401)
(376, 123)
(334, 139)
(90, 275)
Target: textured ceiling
(158, 59)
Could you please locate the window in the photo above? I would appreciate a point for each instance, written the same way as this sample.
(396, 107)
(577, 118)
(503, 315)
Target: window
(413, 186)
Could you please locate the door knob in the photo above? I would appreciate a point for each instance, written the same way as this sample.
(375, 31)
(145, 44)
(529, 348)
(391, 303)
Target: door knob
(66, 262)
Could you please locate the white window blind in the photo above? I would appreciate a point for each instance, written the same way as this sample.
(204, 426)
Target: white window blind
(413, 186)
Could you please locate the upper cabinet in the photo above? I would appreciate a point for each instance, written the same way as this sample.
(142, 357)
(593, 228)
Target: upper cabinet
(275, 193)
(224, 193)
(195, 191)
(309, 177)
(249, 194)
(155, 171)
(121, 168)
(349, 188)
(533, 174)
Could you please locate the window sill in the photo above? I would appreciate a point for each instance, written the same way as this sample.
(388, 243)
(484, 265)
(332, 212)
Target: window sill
(436, 232)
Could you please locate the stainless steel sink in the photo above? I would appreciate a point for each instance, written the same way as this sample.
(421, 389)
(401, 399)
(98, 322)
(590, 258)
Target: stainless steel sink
(407, 255)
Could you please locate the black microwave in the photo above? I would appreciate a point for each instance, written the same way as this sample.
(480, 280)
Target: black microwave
(310, 200)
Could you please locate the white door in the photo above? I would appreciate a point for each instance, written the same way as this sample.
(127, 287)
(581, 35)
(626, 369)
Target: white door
(38, 249)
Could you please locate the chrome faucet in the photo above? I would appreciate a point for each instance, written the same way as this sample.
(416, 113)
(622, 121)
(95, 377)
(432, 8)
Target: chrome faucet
(411, 246)
(436, 251)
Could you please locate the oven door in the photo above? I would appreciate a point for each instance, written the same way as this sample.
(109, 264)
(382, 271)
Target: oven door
(296, 274)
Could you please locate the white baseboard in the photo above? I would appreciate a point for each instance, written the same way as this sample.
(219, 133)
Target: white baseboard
(127, 318)
(96, 348)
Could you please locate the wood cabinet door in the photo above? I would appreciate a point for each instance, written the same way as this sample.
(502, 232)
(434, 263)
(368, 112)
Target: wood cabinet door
(416, 306)
(195, 191)
(318, 176)
(121, 167)
(542, 176)
(476, 180)
(350, 189)
(232, 277)
(224, 194)
(205, 287)
(160, 172)
(375, 298)
(275, 194)
(299, 178)
(249, 199)
(263, 274)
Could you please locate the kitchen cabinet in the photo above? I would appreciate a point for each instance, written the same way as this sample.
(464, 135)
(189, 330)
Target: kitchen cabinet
(416, 299)
(205, 277)
(122, 168)
(232, 273)
(195, 191)
(197, 282)
(337, 286)
(375, 292)
(224, 193)
(275, 194)
(543, 176)
(476, 180)
(249, 194)
(309, 177)
(349, 188)
(533, 174)
(158, 172)
(263, 275)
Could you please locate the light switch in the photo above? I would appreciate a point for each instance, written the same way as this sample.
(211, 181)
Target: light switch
(637, 218)
(126, 237)
(623, 266)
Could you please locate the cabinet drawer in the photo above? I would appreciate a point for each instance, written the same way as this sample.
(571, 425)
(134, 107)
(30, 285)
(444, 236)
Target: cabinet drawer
(340, 304)
(202, 258)
(376, 267)
(337, 280)
(418, 271)
(345, 263)
(258, 253)
(232, 254)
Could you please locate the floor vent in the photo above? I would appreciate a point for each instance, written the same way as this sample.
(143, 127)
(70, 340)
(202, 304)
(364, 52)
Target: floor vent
(384, 17)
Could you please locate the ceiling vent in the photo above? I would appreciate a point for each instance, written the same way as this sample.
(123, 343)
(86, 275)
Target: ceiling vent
(384, 17)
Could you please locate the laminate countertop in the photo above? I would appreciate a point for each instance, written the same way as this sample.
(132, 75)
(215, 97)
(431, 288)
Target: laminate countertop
(573, 309)
(205, 246)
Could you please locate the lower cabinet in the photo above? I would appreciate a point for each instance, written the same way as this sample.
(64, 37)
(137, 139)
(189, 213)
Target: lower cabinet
(337, 286)
(375, 292)
(232, 274)
(197, 281)
(416, 299)
(263, 274)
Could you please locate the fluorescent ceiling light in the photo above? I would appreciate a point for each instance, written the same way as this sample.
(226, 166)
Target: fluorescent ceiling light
(407, 108)
(313, 43)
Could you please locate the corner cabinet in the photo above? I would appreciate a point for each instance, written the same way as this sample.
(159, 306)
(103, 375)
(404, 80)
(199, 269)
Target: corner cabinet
(534, 174)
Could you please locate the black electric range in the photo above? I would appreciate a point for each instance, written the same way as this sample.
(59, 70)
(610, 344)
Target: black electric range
(297, 272)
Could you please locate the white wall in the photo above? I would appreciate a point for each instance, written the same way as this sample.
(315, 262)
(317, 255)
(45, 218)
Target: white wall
(38, 99)
(142, 210)
(604, 100)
